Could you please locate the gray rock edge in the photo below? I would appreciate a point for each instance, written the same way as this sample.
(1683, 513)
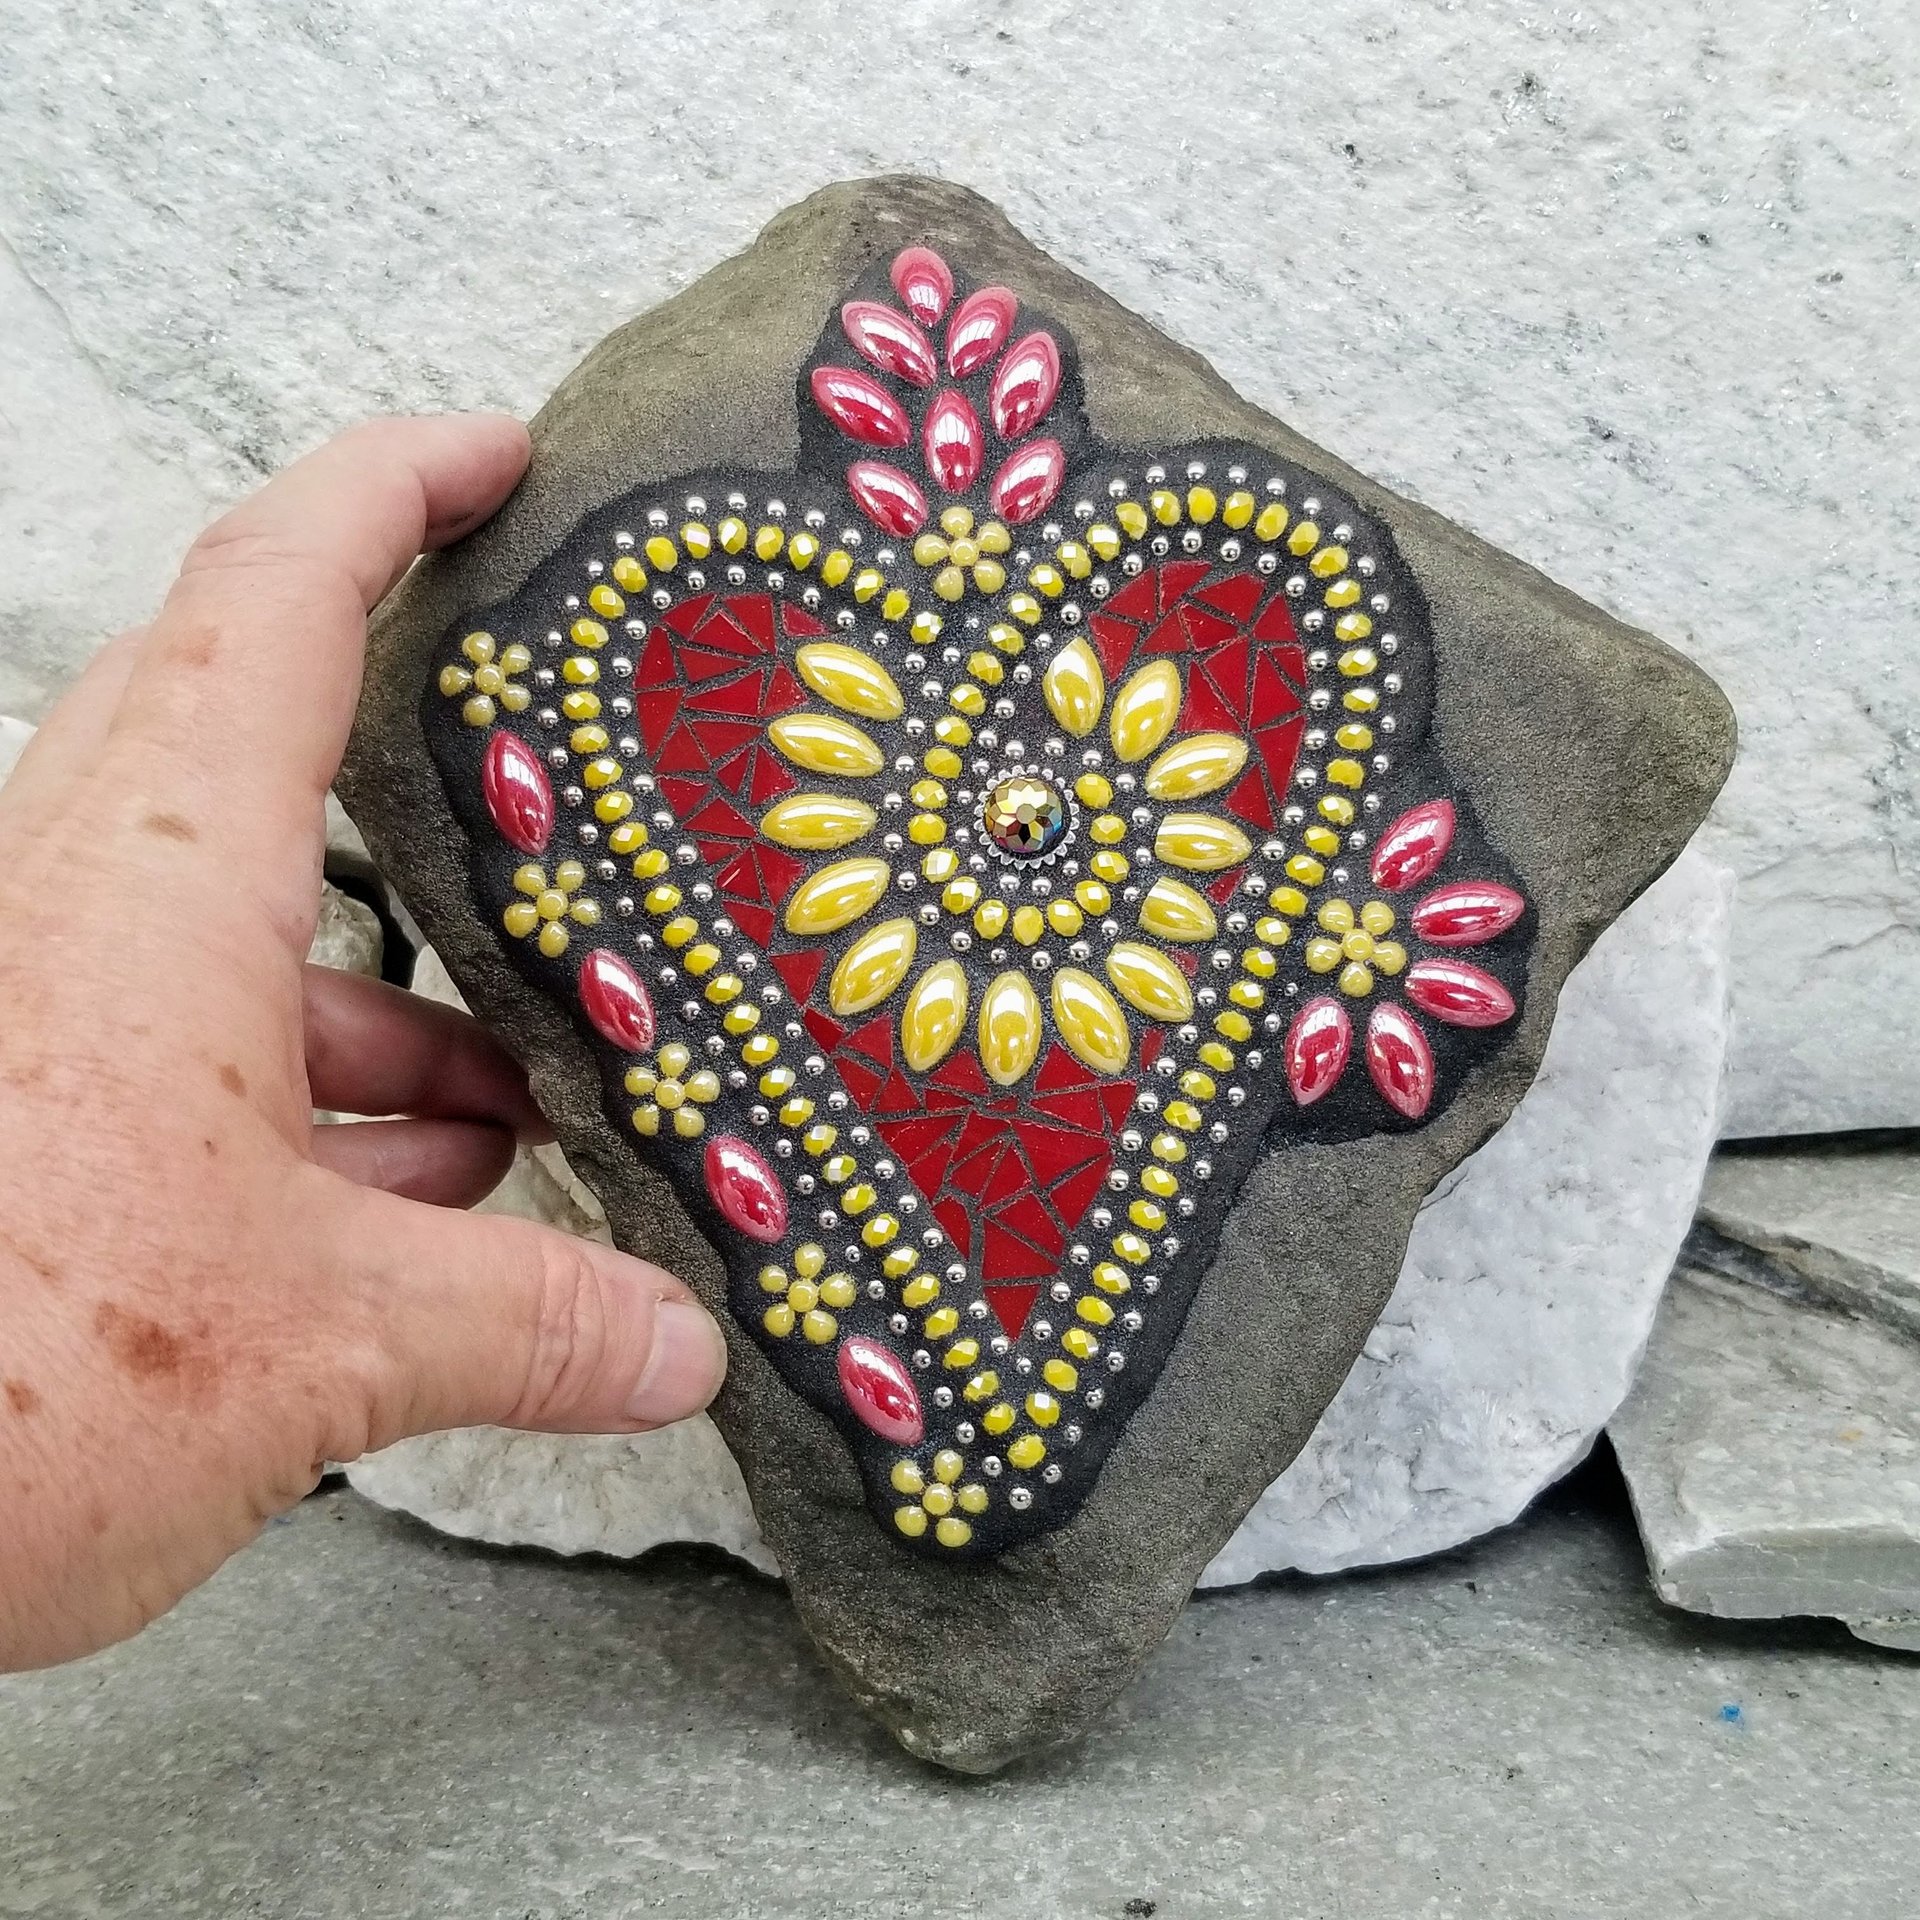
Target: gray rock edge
(1620, 748)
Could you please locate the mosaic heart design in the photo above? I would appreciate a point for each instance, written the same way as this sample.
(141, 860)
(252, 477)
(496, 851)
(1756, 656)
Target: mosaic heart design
(967, 854)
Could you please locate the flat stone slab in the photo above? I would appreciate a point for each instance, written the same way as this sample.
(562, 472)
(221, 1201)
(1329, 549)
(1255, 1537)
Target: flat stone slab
(1772, 1448)
(1843, 1220)
(1127, 1255)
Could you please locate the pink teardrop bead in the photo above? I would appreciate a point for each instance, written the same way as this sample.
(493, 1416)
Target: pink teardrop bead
(953, 441)
(1467, 914)
(1026, 484)
(979, 329)
(1400, 1060)
(745, 1189)
(923, 280)
(1458, 994)
(887, 497)
(515, 787)
(861, 407)
(1413, 846)
(880, 1391)
(616, 1001)
(890, 341)
(1024, 386)
(1319, 1044)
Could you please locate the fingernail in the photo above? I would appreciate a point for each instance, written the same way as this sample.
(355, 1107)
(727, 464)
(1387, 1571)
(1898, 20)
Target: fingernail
(685, 1368)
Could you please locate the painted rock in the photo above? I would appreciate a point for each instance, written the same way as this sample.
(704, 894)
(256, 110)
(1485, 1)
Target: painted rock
(1092, 863)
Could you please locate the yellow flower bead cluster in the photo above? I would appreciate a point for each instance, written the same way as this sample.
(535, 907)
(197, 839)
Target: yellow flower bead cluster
(940, 1498)
(963, 552)
(1355, 942)
(487, 682)
(549, 904)
(804, 1300)
(670, 1094)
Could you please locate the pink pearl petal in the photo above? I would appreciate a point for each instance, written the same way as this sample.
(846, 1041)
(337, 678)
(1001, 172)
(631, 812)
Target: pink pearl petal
(1026, 484)
(1399, 1060)
(515, 787)
(1460, 995)
(861, 407)
(1467, 914)
(1024, 385)
(880, 1391)
(923, 280)
(1319, 1044)
(887, 497)
(745, 1189)
(953, 441)
(890, 341)
(616, 1001)
(1413, 846)
(979, 329)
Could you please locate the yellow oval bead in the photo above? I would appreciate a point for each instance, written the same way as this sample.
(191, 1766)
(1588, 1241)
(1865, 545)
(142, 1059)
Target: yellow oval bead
(837, 895)
(1173, 911)
(1028, 924)
(1090, 1021)
(1149, 982)
(1075, 688)
(935, 1014)
(822, 743)
(849, 679)
(872, 967)
(1009, 1033)
(817, 822)
(1200, 842)
(1144, 710)
(1196, 765)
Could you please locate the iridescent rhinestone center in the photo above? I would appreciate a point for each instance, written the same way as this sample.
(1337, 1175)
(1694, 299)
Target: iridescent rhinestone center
(1024, 816)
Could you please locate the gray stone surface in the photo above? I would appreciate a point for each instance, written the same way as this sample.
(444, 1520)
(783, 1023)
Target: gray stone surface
(1772, 1446)
(1622, 289)
(1513, 1333)
(1844, 1220)
(358, 1720)
(347, 934)
(1623, 749)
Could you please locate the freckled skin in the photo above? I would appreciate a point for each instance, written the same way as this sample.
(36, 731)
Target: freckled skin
(203, 1296)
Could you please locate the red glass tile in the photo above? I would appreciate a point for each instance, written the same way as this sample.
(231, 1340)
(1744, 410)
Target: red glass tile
(1080, 1108)
(770, 779)
(957, 1223)
(800, 624)
(1204, 710)
(1005, 1256)
(1151, 1042)
(1117, 1097)
(1276, 621)
(658, 711)
(1205, 630)
(698, 664)
(1272, 699)
(655, 666)
(682, 753)
(683, 618)
(1279, 749)
(1011, 1306)
(1236, 595)
(1250, 802)
(1139, 599)
(1053, 1151)
(825, 1029)
(1170, 636)
(799, 971)
(720, 818)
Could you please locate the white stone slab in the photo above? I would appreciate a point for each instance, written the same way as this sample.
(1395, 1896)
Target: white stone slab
(1529, 1288)
(1772, 1448)
(1846, 1222)
(1627, 290)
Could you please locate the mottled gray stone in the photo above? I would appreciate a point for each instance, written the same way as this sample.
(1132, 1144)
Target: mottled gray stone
(347, 934)
(1623, 749)
(1844, 1220)
(1622, 289)
(1772, 1447)
(357, 1720)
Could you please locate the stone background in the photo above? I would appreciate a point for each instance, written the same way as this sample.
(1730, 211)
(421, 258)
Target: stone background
(1626, 292)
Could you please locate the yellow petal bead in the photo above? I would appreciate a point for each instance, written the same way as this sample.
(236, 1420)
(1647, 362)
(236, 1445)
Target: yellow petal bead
(1200, 842)
(935, 1016)
(629, 573)
(817, 822)
(1090, 1021)
(1149, 982)
(952, 1532)
(1074, 688)
(912, 1521)
(1009, 1032)
(872, 967)
(849, 680)
(837, 895)
(1027, 1452)
(1336, 916)
(1272, 521)
(1346, 773)
(1173, 911)
(1132, 516)
(1238, 509)
(1328, 561)
(1094, 789)
(1198, 764)
(1144, 710)
(1028, 924)
(823, 743)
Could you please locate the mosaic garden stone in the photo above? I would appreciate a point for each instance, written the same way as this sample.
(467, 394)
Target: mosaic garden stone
(1015, 874)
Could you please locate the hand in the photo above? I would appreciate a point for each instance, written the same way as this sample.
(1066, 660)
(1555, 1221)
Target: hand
(203, 1296)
